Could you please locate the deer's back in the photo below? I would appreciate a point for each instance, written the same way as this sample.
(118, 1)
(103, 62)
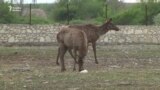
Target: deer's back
(90, 30)
(72, 38)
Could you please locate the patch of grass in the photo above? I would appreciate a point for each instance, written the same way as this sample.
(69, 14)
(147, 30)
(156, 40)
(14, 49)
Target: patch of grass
(114, 79)
(34, 68)
(130, 51)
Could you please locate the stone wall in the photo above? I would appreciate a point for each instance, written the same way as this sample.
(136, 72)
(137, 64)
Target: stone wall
(133, 34)
(27, 34)
(41, 34)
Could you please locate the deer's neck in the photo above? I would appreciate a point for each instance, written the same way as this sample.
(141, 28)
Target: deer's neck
(102, 30)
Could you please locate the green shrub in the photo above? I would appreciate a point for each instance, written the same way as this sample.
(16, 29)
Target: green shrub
(5, 15)
(96, 21)
(40, 20)
(132, 16)
(157, 19)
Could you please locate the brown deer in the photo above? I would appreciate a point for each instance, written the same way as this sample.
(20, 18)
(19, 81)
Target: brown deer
(93, 33)
(72, 39)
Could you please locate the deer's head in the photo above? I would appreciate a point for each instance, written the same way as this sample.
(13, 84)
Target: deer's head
(108, 25)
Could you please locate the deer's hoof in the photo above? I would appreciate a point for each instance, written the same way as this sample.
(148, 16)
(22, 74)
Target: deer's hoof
(96, 62)
(57, 63)
(62, 70)
(74, 69)
(76, 62)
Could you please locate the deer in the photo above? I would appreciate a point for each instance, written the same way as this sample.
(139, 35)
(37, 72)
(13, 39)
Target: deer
(93, 34)
(72, 39)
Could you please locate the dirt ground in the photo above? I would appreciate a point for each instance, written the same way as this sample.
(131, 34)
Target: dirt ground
(121, 67)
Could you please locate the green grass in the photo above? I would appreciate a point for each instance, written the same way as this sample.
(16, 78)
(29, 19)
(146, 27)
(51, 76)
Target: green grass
(121, 67)
(114, 79)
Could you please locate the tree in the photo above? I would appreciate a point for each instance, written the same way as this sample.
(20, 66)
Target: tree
(143, 1)
(1, 1)
(132, 16)
(78, 9)
(5, 15)
(22, 7)
(114, 5)
(34, 1)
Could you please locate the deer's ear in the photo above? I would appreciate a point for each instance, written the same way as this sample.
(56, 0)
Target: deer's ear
(110, 20)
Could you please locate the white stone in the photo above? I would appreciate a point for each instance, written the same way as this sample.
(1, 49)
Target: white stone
(84, 71)
(106, 39)
(23, 31)
(42, 39)
(29, 31)
(125, 32)
(138, 32)
(111, 32)
(2, 31)
(154, 40)
(31, 40)
(121, 40)
(38, 31)
(16, 40)
(48, 39)
(1, 74)
(130, 31)
(11, 39)
(145, 31)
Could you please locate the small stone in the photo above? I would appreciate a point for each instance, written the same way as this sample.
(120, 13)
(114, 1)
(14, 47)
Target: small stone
(24, 86)
(46, 82)
(42, 39)
(84, 71)
(1, 74)
(11, 39)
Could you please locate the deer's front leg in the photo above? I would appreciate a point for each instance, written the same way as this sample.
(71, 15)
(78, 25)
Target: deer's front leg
(94, 50)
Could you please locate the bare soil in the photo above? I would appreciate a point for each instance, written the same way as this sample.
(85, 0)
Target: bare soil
(121, 67)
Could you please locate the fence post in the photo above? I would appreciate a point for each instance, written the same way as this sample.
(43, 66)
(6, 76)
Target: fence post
(106, 10)
(67, 12)
(22, 7)
(30, 14)
(146, 14)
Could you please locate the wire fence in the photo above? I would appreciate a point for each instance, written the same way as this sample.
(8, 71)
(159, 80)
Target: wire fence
(47, 14)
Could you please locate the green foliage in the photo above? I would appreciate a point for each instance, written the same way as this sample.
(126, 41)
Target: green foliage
(98, 20)
(132, 16)
(87, 11)
(40, 20)
(34, 20)
(81, 9)
(137, 14)
(94, 11)
(5, 15)
(157, 19)
(153, 10)
(61, 14)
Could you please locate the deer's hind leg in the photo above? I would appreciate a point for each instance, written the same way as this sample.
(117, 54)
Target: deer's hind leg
(75, 60)
(73, 56)
(80, 63)
(81, 56)
(58, 56)
(62, 50)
